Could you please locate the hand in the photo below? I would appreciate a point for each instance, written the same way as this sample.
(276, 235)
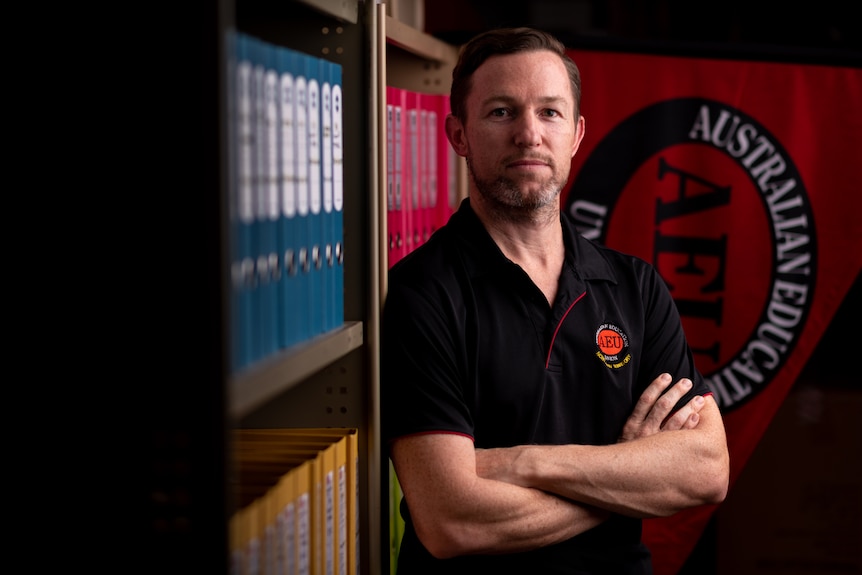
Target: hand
(652, 413)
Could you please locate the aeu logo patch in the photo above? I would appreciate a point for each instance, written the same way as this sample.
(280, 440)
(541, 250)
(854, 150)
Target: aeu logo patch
(612, 346)
(715, 202)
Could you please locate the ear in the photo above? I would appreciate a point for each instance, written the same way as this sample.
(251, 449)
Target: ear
(455, 133)
(580, 130)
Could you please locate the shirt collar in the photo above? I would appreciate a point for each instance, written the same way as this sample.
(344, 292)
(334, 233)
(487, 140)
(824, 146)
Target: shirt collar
(483, 255)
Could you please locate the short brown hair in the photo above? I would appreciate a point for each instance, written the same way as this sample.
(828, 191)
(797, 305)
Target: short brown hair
(505, 41)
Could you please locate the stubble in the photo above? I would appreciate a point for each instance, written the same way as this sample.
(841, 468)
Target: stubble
(507, 201)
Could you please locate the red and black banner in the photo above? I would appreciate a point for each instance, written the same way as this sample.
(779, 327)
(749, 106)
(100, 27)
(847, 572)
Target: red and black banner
(739, 180)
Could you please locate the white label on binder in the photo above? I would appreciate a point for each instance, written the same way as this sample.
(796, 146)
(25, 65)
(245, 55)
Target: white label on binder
(302, 145)
(245, 136)
(326, 116)
(288, 137)
(314, 187)
(431, 146)
(337, 150)
(270, 180)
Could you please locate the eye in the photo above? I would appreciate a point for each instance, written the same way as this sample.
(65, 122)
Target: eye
(499, 112)
(551, 113)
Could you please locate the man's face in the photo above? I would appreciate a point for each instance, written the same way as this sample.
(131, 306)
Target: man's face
(521, 130)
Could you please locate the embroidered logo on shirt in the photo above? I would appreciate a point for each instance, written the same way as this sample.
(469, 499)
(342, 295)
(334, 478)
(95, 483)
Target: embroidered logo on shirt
(613, 346)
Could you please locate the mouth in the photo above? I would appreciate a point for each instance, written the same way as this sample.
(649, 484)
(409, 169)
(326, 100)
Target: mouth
(528, 163)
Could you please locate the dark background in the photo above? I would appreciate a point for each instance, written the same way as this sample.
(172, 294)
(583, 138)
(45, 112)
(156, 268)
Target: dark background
(827, 31)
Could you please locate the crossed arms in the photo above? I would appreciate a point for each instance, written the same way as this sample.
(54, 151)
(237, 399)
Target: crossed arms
(467, 501)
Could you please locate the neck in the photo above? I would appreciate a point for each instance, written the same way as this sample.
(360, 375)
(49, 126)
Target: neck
(532, 240)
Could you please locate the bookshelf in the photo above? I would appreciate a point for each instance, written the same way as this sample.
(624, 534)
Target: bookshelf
(330, 380)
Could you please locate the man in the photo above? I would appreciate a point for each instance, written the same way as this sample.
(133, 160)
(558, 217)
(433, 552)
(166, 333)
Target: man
(527, 373)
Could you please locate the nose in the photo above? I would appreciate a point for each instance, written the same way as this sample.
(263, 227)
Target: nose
(528, 131)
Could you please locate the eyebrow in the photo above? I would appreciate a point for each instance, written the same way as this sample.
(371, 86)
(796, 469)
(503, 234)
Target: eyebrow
(511, 100)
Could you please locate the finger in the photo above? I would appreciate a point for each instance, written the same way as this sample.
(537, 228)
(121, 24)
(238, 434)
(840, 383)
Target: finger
(692, 421)
(648, 398)
(665, 404)
(639, 424)
(676, 392)
(686, 417)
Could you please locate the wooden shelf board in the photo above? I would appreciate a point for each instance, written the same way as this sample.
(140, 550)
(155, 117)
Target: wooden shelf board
(274, 375)
(419, 43)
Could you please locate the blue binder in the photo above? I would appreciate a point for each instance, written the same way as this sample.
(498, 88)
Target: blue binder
(289, 292)
(327, 230)
(303, 315)
(242, 208)
(337, 193)
(267, 197)
(331, 321)
(315, 195)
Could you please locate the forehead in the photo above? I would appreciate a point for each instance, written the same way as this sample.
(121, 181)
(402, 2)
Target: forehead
(537, 73)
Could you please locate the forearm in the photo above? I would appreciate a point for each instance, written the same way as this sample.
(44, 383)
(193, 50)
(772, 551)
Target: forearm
(495, 517)
(455, 512)
(651, 476)
(624, 478)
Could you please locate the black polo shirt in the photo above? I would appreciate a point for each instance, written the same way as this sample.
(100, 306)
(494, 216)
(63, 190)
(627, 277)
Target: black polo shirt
(471, 346)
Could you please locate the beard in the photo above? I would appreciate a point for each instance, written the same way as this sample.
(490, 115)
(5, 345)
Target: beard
(508, 197)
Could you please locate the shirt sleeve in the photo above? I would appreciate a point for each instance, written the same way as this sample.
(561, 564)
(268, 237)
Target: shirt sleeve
(422, 365)
(666, 346)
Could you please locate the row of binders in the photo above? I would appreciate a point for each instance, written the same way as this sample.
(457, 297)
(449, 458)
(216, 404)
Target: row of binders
(421, 185)
(298, 491)
(286, 198)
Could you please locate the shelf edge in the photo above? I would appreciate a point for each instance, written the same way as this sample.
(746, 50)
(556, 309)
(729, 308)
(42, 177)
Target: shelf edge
(419, 43)
(345, 10)
(272, 376)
